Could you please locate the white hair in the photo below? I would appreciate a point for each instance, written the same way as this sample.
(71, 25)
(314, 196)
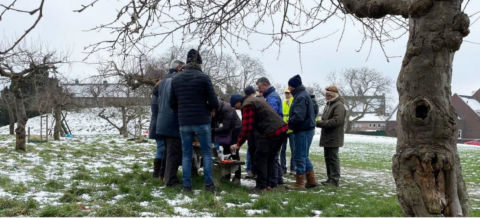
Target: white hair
(175, 64)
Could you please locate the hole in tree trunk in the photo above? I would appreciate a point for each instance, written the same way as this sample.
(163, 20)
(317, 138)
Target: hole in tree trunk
(422, 110)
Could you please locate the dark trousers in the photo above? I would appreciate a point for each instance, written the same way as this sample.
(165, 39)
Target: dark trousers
(332, 163)
(264, 156)
(173, 148)
(164, 162)
(252, 147)
(277, 177)
(283, 154)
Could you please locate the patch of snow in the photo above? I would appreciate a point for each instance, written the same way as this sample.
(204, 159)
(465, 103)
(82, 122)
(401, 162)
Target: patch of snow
(144, 204)
(230, 205)
(254, 195)
(86, 197)
(147, 214)
(181, 211)
(179, 200)
(317, 213)
(340, 205)
(253, 212)
(118, 197)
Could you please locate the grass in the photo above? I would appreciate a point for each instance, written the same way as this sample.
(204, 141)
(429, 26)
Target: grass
(107, 176)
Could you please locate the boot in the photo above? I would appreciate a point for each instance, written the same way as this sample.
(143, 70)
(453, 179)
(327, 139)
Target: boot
(299, 184)
(326, 182)
(156, 167)
(311, 181)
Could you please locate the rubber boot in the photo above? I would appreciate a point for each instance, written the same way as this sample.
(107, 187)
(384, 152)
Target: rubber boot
(311, 181)
(299, 184)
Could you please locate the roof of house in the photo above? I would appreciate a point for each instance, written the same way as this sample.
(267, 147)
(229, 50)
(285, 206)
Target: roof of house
(370, 118)
(99, 90)
(473, 103)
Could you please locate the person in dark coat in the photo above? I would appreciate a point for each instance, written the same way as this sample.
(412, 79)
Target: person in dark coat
(157, 161)
(227, 121)
(168, 128)
(193, 96)
(302, 122)
(274, 100)
(258, 115)
(311, 92)
(250, 168)
(332, 123)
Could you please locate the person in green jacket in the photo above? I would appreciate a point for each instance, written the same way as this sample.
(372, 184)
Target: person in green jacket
(332, 123)
(290, 137)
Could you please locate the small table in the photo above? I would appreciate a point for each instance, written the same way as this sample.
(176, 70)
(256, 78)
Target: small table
(222, 169)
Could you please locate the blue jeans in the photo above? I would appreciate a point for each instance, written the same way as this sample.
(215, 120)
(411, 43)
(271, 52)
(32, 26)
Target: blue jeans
(160, 148)
(283, 157)
(187, 132)
(302, 150)
(249, 163)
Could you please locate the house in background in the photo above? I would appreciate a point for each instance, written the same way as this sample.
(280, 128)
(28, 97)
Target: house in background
(369, 123)
(468, 120)
(468, 111)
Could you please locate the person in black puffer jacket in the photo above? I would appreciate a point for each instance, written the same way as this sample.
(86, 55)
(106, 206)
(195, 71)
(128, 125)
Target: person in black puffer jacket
(193, 96)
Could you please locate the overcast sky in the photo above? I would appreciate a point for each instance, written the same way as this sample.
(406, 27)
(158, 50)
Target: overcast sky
(63, 29)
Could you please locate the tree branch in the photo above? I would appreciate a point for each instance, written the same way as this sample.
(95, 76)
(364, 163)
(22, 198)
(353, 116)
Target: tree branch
(377, 8)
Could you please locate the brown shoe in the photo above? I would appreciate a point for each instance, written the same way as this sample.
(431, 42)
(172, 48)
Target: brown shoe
(311, 181)
(299, 184)
(161, 178)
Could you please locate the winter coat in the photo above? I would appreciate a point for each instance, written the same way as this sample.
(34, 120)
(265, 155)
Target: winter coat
(286, 112)
(267, 120)
(193, 96)
(167, 121)
(332, 123)
(274, 100)
(302, 117)
(224, 115)
(315, 105)
(152, 130)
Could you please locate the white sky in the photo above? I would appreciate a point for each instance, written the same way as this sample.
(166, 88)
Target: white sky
(61, 28)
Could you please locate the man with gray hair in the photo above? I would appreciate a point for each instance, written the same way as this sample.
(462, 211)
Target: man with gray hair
(169, 129)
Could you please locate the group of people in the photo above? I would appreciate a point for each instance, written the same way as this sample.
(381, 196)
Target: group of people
(185, 108)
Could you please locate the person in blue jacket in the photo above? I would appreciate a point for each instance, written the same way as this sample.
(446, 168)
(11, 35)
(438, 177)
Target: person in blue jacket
(273, 98)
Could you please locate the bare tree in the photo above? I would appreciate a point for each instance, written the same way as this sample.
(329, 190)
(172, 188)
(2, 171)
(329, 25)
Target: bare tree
(21, 64)
(363, 91)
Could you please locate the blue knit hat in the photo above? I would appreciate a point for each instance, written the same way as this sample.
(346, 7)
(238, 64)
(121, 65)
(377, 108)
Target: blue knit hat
(235, 98)
(194, 56)
(249, 90)
(295, 81)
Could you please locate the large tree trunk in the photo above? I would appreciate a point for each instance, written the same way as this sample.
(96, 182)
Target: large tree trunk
(20, 143)
(426, 166)
(58, 122)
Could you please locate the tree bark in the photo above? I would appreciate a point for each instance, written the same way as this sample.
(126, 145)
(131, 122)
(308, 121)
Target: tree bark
(426, 166)
(58, 122)
(123, 129)
(21, 117)
(11, 115)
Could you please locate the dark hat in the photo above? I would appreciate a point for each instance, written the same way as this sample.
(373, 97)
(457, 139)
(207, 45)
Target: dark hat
(194, 56)
(249, 90)
(235, 98)
(295, 81)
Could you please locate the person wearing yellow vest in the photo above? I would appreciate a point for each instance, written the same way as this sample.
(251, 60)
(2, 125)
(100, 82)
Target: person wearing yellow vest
(290, 137)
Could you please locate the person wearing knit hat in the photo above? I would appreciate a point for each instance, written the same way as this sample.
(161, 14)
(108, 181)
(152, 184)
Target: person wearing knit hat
(258, 115)
(234, 99)
(332, 122)
(302, 122)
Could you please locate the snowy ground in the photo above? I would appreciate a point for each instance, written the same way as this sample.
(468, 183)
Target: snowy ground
(85, 122)
(107, 176)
